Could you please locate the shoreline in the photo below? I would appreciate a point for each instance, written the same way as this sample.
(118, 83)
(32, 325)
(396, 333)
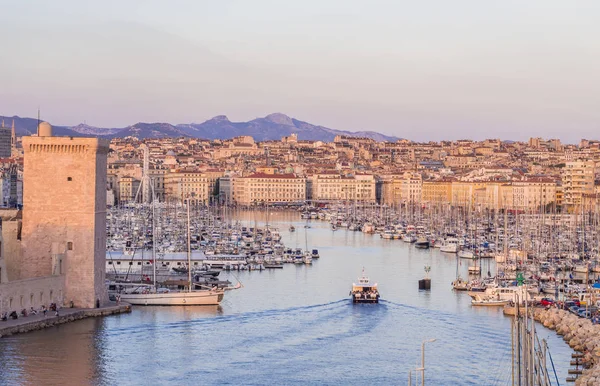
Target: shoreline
(66, 315)
(581, 335)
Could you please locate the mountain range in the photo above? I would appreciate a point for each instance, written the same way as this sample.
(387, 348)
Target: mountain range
(271, 127)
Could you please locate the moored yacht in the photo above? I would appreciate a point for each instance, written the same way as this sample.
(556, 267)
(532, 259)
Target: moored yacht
(460, 285)
(450, 245)
(422, 243)
(466, 254)
(515, 294)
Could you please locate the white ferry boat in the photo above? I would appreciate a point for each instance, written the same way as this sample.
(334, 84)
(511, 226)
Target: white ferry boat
(364, 291)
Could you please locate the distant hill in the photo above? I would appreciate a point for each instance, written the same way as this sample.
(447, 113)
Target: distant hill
(149, 130)
(28, 126)
(84, 129)
(271, 127)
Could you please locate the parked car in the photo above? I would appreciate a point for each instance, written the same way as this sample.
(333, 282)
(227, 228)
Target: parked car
(574, 310)
(583, 313)
(568, 304)
(546, 302)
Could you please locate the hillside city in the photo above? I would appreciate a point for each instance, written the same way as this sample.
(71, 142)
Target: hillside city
(492, 174)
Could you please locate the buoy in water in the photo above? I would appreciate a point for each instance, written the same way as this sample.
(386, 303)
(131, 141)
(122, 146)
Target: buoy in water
(425, 284)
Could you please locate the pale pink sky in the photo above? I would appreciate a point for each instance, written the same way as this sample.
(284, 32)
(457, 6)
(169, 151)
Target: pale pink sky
(421, 70)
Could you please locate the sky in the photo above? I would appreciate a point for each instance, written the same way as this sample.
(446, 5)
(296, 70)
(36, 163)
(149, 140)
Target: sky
(422, 70)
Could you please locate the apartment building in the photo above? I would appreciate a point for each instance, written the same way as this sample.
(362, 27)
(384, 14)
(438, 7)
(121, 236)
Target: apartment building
(577, 181)
(334, 186)
(262, 188)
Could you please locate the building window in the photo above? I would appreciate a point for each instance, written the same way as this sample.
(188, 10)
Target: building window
(70, 246)
(69, 178)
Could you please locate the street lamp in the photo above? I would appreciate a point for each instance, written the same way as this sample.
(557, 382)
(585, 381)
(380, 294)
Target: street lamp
(423, 359)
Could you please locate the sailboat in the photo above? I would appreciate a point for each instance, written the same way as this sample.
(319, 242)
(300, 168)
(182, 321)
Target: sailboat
(151, 295)
(459, 284)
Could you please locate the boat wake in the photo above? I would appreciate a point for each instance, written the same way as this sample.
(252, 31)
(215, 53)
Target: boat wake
(238, 318)
(390, 303)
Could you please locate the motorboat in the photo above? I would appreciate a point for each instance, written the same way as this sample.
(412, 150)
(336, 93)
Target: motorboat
(460, 285)
(422, 243)
(388, 234)
(408, 238)
(450, 245)
(364, 291)
(466, 254)
(515, 294)
(488, 301)
(307, 259)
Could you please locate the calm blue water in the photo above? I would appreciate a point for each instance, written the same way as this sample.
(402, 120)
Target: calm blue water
(294, 326)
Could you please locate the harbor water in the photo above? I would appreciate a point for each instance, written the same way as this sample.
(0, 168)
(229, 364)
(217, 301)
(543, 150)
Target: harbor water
(292, 326)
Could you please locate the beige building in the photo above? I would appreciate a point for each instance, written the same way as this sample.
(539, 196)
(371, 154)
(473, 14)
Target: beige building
(261, 188)
(128, 188)
(437, 192)
(533, 193)
(333, 186)
(391, 190)
(577, 181)
(411, 187)
(181, 184)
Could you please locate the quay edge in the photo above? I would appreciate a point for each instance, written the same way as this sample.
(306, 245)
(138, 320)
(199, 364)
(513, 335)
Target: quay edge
(66, 315)
(581, 335)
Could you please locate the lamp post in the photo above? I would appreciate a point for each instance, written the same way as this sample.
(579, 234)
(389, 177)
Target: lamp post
(423, 359)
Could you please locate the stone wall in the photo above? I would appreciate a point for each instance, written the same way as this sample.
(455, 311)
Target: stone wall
(11, 231)
(20, 294)
(64, 214)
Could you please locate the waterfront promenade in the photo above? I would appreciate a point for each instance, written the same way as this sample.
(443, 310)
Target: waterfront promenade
(39, 321)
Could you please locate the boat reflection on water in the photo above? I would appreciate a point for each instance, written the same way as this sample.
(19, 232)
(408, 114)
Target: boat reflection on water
(167, 314)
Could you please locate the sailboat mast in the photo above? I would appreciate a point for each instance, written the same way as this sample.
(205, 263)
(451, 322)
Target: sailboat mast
(189, 250)
(153, 243)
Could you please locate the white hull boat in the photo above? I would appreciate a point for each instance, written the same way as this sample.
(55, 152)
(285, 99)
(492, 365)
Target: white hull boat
(465, 254)
(193, 298)
(449, 248)
(487, 302)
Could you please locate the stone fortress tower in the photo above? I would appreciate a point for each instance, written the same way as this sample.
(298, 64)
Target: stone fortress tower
(64, 214)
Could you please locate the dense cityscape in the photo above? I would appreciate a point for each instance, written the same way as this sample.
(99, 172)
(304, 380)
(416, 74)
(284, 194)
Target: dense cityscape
(539, 175)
